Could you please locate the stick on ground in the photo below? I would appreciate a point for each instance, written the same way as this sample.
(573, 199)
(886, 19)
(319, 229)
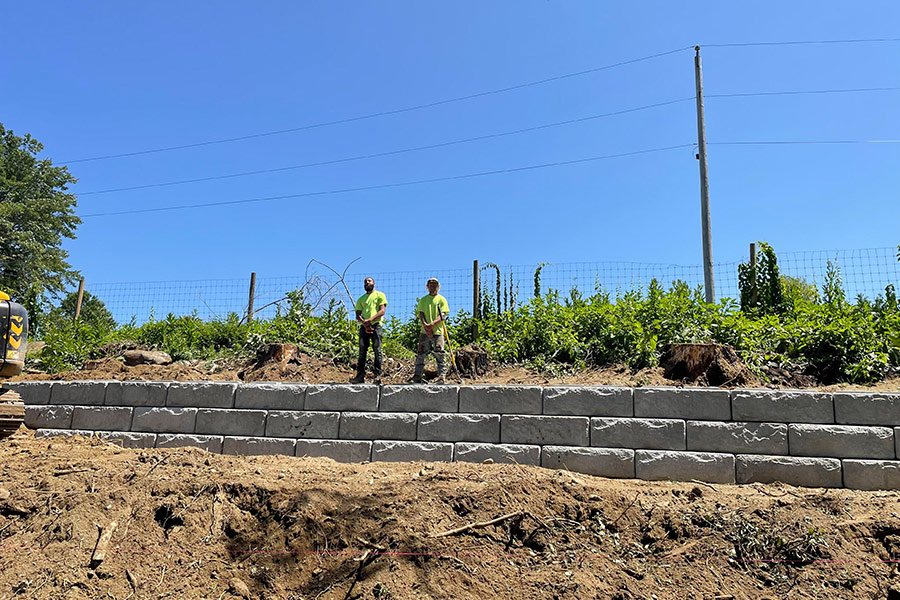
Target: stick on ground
(480, 525)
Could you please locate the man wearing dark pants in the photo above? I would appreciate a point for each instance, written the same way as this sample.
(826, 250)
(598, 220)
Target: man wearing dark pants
(431, 310)
(370, 309)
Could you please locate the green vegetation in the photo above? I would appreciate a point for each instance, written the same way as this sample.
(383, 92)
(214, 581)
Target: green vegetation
(780, 320)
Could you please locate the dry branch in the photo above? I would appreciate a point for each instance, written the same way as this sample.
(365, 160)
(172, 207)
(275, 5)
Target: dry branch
(480, 525)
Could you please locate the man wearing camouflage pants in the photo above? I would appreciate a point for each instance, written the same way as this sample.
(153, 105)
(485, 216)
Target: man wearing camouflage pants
(431, 339)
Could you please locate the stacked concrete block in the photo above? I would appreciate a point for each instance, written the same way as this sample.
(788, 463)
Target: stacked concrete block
(502, 400)
(342, 397)
(602, 462)
(648, 434)
(337, 450)
(210, 443)
(302, 424)
(395, 451)
(867, 409)
(378, 426)
(558, 431)
(707, 404)
(248, 446)
(78, 392)
(130, 439)
(809, 472)
(871, 474)
(220, 421)
(43, 433)
(443, 427)
(159, 419)
(601, 401)
(419, 398)
(136, 393)
(499, 453)
(841, 441)
(782, 406)
(661, 465)
(102, 418)
(32, 392)
(53, 416)
(737, 438)
(271, 396)
(201, 394)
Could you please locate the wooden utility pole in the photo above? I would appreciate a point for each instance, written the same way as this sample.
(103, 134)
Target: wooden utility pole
(80, 298)
(708, 280)
(252, 294)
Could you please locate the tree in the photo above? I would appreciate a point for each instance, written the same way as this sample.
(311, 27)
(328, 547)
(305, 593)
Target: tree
(36, 214)
(93, 311)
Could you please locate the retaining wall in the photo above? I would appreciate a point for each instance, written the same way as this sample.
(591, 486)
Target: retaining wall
(721, 436)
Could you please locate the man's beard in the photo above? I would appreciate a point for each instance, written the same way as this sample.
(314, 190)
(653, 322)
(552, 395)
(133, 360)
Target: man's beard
(369, 288)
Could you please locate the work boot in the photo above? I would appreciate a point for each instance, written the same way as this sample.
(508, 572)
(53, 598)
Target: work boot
(358, 379)
(415, 379)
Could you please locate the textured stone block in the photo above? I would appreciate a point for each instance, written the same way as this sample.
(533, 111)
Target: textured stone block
(78, 392)
(660, 465)
(160, 419)
(601, 401)
(44, 433)
(499, 453)
(54, 416)
(210, 443)
(560, 431)
(248, 446)
(378, 426)
(221, 421)
(419, 398)
(342, 397)
(102, 418)
(443, 427)
(841, 441)
(707, 404)
(201, 394)
(506, 399)
(130, 439)
(338, 450)
(302, 424)
(603, 462)
(32, 392)
(136, 393)
(782, 406)
(808, 472)
(871, 474)
(737, 438)
(391, 451)
(867, 409)
(271, 396)
(650, 434)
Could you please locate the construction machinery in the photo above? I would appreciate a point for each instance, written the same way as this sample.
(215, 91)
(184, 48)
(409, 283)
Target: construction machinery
(13, 343)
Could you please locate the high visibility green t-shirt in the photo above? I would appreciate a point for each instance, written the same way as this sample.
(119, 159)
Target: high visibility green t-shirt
(368, 304)
(429, 305)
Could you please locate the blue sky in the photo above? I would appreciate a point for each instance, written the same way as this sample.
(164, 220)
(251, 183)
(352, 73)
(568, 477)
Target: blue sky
(100, 78)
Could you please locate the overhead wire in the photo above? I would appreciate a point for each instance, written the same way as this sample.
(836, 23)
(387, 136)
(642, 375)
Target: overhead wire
(800, 42)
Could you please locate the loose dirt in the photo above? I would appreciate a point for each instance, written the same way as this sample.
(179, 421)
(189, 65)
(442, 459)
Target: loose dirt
(192, 525)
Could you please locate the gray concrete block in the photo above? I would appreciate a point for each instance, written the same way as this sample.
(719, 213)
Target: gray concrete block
(222, 421)
(602, 462)
(338, 450)
(737, 438)
(201, 394)
(560, 431)
(32, 392)
(248, 446)
(841, 441)
(867, 408)
(808, 472)
(871, 474)
(45, 433)
(130, 439)
(54, 416)
(136, 393)
(503, 400)
(78, 392)
(102, 418)
(443, 427)
(600, 401)
(707, 404)
(210, 443)
(661, 465)
(161, 419)
(499, 453)
(782, 406)
(271, 396)
(648, 434)
(361, 397)
(419, 398)
(378, 426)
(391, 451)
(302, 424)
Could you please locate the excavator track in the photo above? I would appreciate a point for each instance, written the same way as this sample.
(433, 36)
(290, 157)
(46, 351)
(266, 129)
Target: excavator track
(12, 412)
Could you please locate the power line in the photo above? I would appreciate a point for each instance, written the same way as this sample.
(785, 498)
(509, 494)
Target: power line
(382, 113)
(801, 92)
(801, 42)
(388, 153)
(804, 142)
(389, 185)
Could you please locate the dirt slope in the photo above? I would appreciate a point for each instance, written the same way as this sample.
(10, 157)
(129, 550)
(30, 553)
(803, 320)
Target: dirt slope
(193, 525)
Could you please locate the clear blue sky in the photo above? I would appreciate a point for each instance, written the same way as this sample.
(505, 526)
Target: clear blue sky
(92, 79)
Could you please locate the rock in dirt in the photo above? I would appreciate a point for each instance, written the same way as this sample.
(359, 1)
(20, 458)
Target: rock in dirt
(710, 364)
(146, 357)
(239, 587)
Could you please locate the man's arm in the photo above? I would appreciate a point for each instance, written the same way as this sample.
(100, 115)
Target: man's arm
(359, 316)
(381, 310)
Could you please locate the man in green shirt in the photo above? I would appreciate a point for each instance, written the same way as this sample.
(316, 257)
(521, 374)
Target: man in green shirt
(370, 309)
(430, 310)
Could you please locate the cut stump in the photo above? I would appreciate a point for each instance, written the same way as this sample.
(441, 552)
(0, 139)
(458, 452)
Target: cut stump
(472, 360)
(711, 364)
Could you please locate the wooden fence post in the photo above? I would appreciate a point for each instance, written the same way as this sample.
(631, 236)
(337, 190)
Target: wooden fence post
(80, 298)
(252, 294)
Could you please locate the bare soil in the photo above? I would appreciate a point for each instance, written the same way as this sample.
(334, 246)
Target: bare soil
(192, 525)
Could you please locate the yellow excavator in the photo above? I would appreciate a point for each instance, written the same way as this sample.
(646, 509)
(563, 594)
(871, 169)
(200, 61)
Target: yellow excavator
(13, 343)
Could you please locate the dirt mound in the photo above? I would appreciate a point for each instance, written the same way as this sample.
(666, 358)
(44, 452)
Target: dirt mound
(193, 525)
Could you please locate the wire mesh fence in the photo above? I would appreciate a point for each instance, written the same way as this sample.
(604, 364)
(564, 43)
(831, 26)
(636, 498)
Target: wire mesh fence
(864, 271)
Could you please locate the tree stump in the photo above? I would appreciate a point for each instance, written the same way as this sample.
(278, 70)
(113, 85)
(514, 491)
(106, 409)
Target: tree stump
(712, 364)
(281, 354)
(472, 360)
